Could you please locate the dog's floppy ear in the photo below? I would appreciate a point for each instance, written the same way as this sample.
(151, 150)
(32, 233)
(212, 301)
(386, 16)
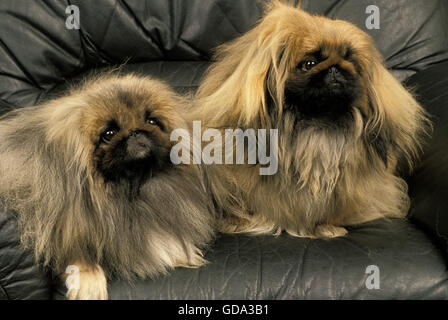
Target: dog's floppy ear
(248, 68)
(398, 124)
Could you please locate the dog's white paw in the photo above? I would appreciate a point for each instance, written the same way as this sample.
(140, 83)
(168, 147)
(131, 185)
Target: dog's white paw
(91, 285)
(329, 231)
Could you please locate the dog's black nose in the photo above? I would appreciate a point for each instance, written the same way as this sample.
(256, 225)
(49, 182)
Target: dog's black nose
(334, 76)
(333, 70)
(134, 133)
(138, 144)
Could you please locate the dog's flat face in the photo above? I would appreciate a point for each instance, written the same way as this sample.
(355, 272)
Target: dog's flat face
(327, 63)
(128, 127)
(325, 82)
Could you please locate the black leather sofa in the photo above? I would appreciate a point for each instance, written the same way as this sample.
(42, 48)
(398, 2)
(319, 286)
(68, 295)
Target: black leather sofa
(174, 40)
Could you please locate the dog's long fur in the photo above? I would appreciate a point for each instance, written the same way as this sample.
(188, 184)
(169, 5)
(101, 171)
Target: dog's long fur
(329, 175)
(69, 214)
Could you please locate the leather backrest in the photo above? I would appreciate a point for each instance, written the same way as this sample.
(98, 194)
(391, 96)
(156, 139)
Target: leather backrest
(37, 51)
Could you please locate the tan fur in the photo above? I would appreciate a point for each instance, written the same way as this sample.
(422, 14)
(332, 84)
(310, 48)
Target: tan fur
(326, 177)
(68, 212)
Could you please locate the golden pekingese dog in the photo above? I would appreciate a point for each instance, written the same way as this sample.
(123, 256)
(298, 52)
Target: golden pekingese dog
(90, 177)
(344, 123)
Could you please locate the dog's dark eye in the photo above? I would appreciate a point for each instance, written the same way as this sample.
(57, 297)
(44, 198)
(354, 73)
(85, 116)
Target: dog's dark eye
(108, 134)
(308, 65)
(348, 54)
(155, 122)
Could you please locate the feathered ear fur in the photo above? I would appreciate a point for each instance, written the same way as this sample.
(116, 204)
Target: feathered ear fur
(398, 122)
(248, 64)
(256, 62)
(33, 185)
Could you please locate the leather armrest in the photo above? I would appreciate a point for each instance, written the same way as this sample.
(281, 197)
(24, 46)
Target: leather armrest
(428, 185)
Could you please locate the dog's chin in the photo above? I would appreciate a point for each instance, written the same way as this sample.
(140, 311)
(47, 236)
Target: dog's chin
(131, 174)
(133, 169)
(323, 100)
(137, 167)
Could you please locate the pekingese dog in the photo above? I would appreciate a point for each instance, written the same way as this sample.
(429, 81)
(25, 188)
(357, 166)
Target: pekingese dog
(90, 177)
(344, 125)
